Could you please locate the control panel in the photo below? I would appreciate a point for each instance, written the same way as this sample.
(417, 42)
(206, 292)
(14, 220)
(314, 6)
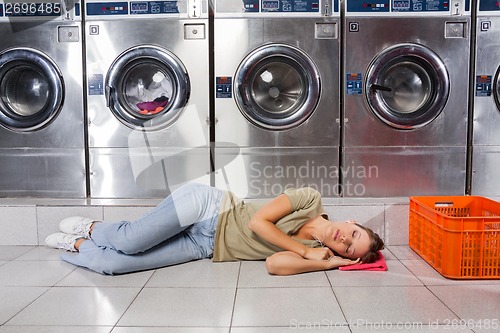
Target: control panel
(408, 6)
(153, 7)
(107, 8)
(150, 8)
(290, 6)
(278, 6)
(134, 8)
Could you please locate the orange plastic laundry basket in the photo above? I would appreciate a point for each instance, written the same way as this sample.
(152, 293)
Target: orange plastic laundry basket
(457, 235)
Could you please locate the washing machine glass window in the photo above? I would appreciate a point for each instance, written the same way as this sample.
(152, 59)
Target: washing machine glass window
(277, 87)
(496, 89)
(147, 88)
(407, 86)
(31, 90)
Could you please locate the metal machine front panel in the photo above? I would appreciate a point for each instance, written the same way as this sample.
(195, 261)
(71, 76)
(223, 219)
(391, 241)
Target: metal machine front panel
(277, 99)
(146, 172)
(148, 96)
(67, 125)
(485, 174)
(265, 172)
(42, 148)
(446, 127)
(42, 172)
(486, 112)
(403, 171)
(406, 97)
(103, 48)
(239, 39)
(487, 82)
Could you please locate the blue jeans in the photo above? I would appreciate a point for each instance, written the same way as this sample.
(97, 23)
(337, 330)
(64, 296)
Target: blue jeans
(180, 229)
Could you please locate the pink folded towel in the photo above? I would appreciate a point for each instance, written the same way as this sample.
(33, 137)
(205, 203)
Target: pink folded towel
(378, 265)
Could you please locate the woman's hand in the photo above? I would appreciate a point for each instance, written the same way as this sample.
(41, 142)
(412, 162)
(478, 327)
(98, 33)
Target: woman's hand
(336, 261)
(318, 253)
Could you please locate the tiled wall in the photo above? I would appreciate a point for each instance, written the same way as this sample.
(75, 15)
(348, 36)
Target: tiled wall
(29, 223)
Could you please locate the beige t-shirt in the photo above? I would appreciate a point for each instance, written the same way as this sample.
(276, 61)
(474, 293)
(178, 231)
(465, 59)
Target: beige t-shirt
(235, 241)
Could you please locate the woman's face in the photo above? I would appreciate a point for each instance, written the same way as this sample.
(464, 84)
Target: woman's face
(347, 240)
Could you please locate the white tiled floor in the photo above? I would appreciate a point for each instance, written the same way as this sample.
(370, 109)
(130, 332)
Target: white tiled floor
(39, 293)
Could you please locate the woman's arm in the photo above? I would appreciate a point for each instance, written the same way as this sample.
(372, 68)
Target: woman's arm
(263, 224)
(289, 263)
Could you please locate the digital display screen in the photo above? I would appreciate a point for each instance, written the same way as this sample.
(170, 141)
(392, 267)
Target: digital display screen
(415, 6)
(20, 9)
(295, 6)
(154, 7)
(489, 5)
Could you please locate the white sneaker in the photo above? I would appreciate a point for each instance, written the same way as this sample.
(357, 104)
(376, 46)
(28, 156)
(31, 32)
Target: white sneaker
(62, 241)
(76, 225)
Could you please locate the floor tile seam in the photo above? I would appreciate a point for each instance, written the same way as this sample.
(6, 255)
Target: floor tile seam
(412, 325)
(328, 279)
(382, 287)
(150, 277)
(35, 260)
(388, 249)
(346, 325)
(190, 287)
(65, 325)
(419, 279)
(92, 287)
(341, 308)
(39, 260)
(443, 302)
(238, 276)
(449, 282)
(161, 287)
(130, 304)
(461, 284)
(285, 287)
(27, 305)
(235, 295)
(37, 228)
(173, 326)
(19, 255)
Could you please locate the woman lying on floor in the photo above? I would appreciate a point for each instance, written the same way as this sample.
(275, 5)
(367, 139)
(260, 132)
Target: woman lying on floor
(291, 232)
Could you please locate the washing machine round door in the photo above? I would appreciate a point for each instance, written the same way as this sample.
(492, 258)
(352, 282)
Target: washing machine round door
(147, 88)
(277, 87)
(31, 90)
(496, 88)
(407, 86)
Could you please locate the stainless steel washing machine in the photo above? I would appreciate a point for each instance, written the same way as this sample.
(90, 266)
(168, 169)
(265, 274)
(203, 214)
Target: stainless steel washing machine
(42, 151)
(147, 95)
(486, 138)
(277, 110)
(406, 74)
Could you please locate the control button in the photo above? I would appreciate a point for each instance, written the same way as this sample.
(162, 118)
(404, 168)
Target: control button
(68, 34)
(455, 30)
(94, 30)
(194, 31)
(485, 25)
(326, 30)
(353, 26)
